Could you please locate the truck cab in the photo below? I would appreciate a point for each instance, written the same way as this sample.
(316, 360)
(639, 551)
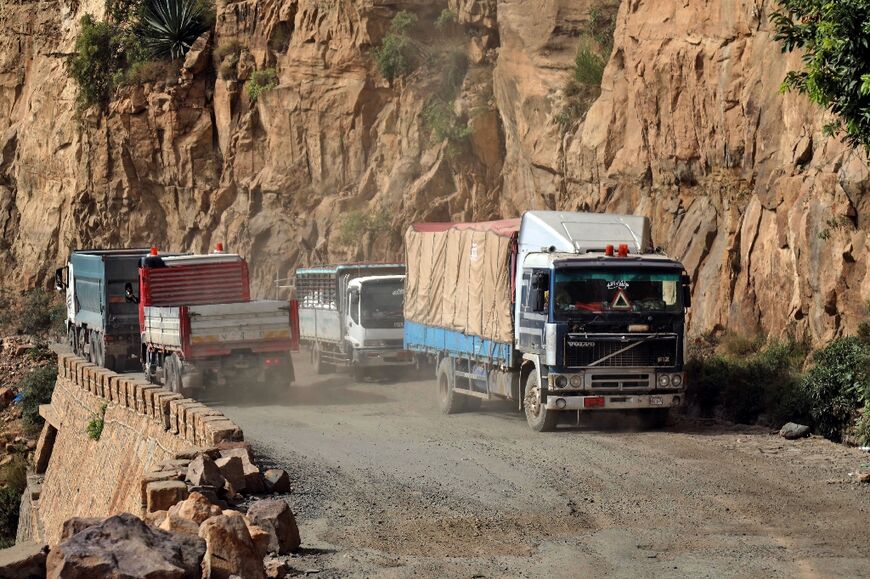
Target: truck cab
(599, 313)
(351, 316)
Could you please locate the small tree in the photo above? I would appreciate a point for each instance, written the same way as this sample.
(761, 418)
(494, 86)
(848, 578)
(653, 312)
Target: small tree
(395, 55)
(835, 38)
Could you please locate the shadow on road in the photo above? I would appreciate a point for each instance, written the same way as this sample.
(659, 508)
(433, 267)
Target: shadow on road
(327, 391)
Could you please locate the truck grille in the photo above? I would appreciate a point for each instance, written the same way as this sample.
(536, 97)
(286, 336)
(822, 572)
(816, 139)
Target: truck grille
(656, 352)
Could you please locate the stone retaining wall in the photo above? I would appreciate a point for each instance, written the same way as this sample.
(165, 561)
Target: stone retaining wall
(143, 425)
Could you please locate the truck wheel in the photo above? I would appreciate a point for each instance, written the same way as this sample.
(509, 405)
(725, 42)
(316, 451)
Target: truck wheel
(172, 374)
(320, 367)
(448, 400)
(538, 417)
(96, 350)
(71, 340)
(655, 418)
(358, 373)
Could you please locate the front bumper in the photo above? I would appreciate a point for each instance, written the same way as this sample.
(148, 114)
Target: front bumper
(376, 357)
(613, 401)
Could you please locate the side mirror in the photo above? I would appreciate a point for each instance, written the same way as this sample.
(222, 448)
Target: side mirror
(59, 284)
(686, 284)
(128, 293)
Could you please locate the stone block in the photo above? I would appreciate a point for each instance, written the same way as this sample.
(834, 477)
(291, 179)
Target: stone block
(164, 397)
(148, 393)
(163, 494)
(156, 476)
(114, 384)
(222, 430)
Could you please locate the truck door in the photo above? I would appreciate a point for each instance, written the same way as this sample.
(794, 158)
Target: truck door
(533, 310)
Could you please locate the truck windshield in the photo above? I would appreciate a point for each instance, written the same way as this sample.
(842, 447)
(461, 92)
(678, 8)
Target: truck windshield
(609, 290)
(381, 304)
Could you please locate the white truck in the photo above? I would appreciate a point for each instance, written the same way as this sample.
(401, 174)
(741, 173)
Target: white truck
(350, 316)
(560, 312)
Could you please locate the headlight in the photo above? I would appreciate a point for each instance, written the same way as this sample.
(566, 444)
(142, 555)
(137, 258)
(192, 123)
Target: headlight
(561, 381)
(664, 380)
(577, 380)
(677, 380)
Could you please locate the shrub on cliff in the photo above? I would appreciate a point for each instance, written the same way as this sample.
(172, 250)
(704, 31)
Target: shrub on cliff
(40, 316)
(838, 386)
(261, 81)
(168, 28)
(99, 54)
(36, 388)
(396, 54)
(834, 37)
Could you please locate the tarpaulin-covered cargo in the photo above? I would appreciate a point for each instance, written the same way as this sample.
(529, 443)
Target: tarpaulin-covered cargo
(459, 277)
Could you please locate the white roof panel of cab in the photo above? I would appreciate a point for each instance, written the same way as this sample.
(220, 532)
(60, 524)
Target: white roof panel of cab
(578, 233)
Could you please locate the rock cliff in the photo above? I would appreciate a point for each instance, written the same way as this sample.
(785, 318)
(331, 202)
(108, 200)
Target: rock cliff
(769, 215)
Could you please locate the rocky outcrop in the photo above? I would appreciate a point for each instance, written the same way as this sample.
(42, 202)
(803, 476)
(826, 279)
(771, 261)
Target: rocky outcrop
(124, 546)
(768, 214)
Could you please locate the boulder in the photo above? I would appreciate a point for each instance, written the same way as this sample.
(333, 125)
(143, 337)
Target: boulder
(6, 396)
(24, 560)
(233, 471)
(124, 546)
(276, 569)
(159, 496)
(253, 477)
(75, 525)
(156, 518)
(277, 480)
(277, 519)
(197, 508)
(175, 524)
(230, 550)
(260, 536)
(792, 431)
(202, 471)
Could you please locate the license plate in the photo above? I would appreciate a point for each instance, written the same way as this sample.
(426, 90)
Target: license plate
(656, 400)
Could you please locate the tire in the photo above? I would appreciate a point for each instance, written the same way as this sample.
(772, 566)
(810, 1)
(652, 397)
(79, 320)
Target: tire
(72, 340)
(84, 345)
(655, 418)
(320, 367)
(448, 400)
(99, 347)
(111, 362)
(358, 373)
(538, 417)
(172, 372)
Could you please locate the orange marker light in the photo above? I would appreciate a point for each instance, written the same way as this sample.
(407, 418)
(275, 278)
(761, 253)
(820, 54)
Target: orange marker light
(608, 250)
(623, 250)
(153, 251)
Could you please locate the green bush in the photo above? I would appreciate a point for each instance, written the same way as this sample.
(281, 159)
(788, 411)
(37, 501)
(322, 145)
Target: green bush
(832, 37)
(36, 388)
(602, 24)
(746, 388)
(356, 223)
(838, 385)
(588, 67)
(445, 19)
(98, 55)
(95, 426)
(10, 505)
(40, 316)
(443, 124)
(395, 56)
(261, 81)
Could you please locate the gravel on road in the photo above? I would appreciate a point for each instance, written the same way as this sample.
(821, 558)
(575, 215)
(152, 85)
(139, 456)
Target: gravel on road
(386, 486)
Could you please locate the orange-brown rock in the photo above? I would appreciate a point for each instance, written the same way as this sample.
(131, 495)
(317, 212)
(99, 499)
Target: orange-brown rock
(768, 213)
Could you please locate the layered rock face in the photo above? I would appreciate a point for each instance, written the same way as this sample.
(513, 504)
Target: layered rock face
(768, 214)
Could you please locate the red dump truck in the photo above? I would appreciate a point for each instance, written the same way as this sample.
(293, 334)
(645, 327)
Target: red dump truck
(200, 327)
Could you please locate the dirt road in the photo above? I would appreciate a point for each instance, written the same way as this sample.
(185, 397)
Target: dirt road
(386, 486)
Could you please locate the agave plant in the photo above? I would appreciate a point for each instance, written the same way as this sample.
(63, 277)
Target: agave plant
(169, 27)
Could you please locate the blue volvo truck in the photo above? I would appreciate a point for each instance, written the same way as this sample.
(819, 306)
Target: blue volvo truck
(562, 312)
(102, 314)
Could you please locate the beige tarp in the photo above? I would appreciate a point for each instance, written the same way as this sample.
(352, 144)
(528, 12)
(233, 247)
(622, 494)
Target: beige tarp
(458, 277)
